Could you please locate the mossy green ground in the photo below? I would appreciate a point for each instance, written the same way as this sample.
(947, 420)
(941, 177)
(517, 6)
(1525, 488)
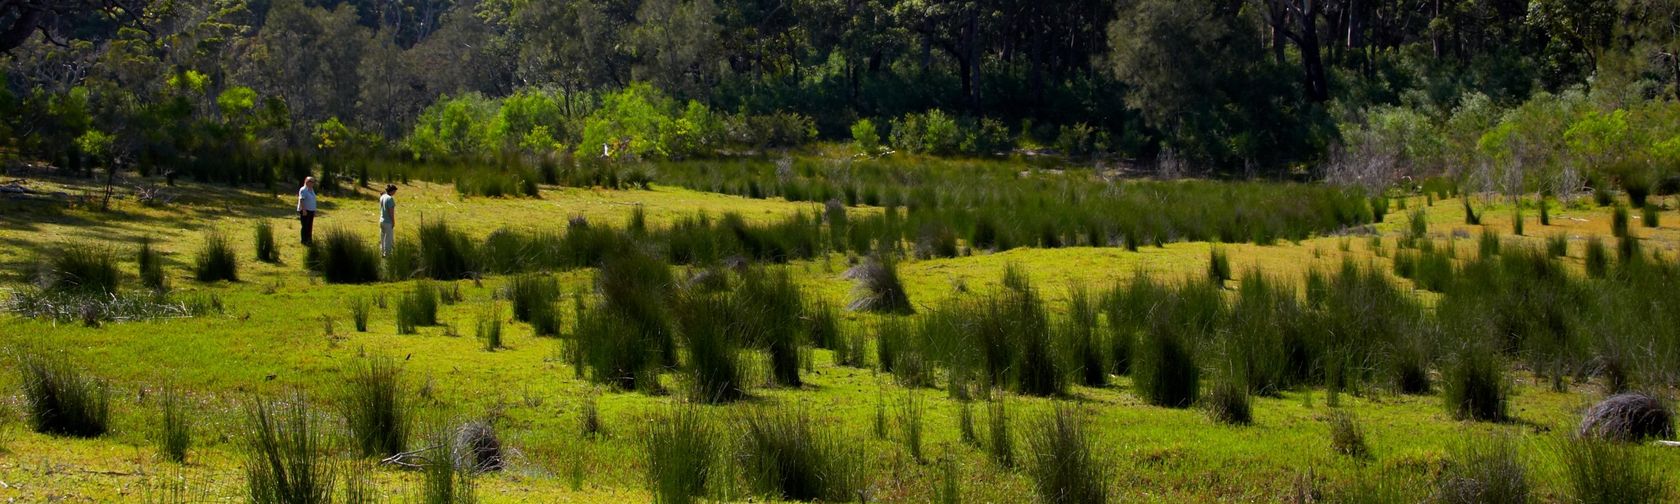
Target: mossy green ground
(274, 338)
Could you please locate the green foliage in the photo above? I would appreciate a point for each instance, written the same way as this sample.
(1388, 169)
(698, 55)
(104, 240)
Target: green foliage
(1619, 221)
(286, 448)
(446, 476)
(1228, 402)
(1000, 439)
(61, 399)
(1165, 372)
(360, 308)
(1219, 265)
(376, 407)
(417, 307)
(266, 250)
(1474, 387)
(630, 121)
(343, 256)
(864, 136)
(681, 449)
(1484, 470)
(1346, 435)
(216, 260)
(1065, 467)
(713, 348)
(78, 268)
(1597, 258)
(175, 426)
(150, 263)
(1604, 472)
(785, 455)
(446, 253)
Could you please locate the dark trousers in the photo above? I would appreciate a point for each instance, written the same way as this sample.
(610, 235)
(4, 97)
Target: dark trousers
(307, 217)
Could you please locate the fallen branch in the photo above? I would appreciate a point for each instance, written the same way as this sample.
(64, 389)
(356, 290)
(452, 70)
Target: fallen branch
(412, 459)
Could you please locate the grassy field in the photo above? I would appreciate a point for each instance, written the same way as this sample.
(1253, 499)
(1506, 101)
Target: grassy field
(284, 331)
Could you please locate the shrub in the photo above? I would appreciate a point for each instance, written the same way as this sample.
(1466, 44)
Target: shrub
(786, 456)
(1597, 258)
(1484, 471)
(910, 413)
(360, 308)
(174, 434)
(1346, 436)
(1604, 472)
(1166, 373)
(864, 136)
(1228, 402)
(61, 399)
(1219, 265)
(681, 448)
(79, 268)
(1002, 441)
(286, 446)
(267, 251)
(417, 307)
(1064, 466)
(1557, 245)
(151, 267)
(713, 352)
(1474, 387)
(879, 289)
(1649, 216)
(1619, 221)
(342, 256)
(216, 260)
(446, 253)
(376, 408)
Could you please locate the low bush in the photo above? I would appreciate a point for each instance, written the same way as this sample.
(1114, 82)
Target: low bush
(681, 448)
(175, 425)
(286, 447)
(1484, 471)
(267, 251)
(787, 456)
(864, 136)
(216, 260)
(1065, 468)
(342, 256)
(1604, 472)
(61, 399)
(1474, 386)
(377, 408)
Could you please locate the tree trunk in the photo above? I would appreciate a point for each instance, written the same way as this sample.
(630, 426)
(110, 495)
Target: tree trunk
(1311, 61)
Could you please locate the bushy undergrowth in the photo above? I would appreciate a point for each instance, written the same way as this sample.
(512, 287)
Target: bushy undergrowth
(61, 398)
(216, 260)
(627, 336)
(768, 306)
(1474, 386)
(714, 365)
(342, 256)
(446, 253)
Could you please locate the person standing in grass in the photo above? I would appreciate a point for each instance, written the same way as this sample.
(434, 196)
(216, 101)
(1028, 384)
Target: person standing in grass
(387, 219)
(306, 209)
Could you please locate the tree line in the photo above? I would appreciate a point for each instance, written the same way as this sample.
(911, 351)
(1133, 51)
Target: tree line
(1232, 86)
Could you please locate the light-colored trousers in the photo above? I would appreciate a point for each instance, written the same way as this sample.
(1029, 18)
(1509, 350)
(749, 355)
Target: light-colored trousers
(386, 234)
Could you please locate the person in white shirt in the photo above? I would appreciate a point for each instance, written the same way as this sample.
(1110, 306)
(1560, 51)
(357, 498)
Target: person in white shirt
(387, 219)
(306, 209)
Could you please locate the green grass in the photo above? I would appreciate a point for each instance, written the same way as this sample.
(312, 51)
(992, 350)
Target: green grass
(682, 451)
(285, 446)
(175, 426)
(216, 260)
(61, 398)
(1065, 465)
(267, 251)
(377, 407)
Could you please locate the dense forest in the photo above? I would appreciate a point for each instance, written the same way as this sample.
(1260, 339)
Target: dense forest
(1351, 89)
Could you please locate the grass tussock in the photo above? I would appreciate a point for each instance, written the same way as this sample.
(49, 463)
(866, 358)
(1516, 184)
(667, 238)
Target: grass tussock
(446, 253)
(1619, 221)
(62, 399)
(1597, 258)
(1605, 472)
(377, 408)
(879, 289)
(489, 328)
(1474, 386)
(286, 448)
(785, 455)
(714, 365)
(445, 476)
(342, 256)
(1347, 437)
(768, 306)
(417, 308)
(682, 453)
(150, 263)
(360, 309)
(1166, 373)
(1000, 438)
(78, 268)
(1557, 245)
(216, 260)
(1219, 265)
(910, 412)
(1228, 402)
(175, 426)
(533, 297)
(267, 250)
(1484, 471)
(1065, 467)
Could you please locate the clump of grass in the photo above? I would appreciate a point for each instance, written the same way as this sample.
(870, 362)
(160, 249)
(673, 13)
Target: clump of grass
(1065, 468)
(1649, 215)
(1557, 245)
(1484, 471)
(61, 399)
(785, 455)
(879, 289)
(267, 251)
(628, 336)
(1488, 245)
(1219, 265)
(417, 307)
(1166, 373)
(360, 308)
(681, 449)
(1597, 258)
(78, 268)
(446, 253)
(1474, 386)
(216, 260)
(1517, 221)
(1001, 441)
(822, 326)
(768, 305)
(342, 256)
(965, 423)
(1228, 402)
(376, 407)
(1545, 211)
(1346, 436)
(489, 328)
(589, 416)
(1470, 215)
(1604, 472)
(174, 434)
(151, 267)
(1619, 221)
(1417, 226)
(910, 412)
(1080, 334)
(713, 353)
(285, 446)
(445, 479)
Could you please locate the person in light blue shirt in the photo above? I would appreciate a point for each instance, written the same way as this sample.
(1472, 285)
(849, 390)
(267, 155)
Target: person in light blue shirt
(387, 219)
(306, 209)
